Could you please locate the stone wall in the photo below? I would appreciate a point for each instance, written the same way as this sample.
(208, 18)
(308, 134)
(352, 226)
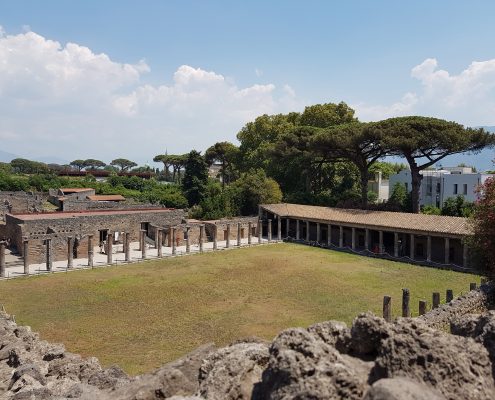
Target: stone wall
(221, 227)
(475, 301)
(21, 202)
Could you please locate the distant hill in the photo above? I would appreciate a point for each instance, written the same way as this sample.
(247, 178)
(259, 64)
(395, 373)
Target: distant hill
(7, 157)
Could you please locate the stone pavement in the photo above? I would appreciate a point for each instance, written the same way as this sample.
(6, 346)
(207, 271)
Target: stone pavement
(15, 268)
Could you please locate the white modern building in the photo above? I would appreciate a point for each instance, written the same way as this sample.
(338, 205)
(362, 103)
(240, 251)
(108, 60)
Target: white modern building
(438, 185)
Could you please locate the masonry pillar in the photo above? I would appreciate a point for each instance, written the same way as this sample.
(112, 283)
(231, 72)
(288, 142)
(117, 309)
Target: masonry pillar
(269, 230)
(109, 248)
(353, 239)
(174, 245)
(201, 237)
(25, 253)
(70, 252)
(123, 242)
(287, 227)
(428, 248)
(260, 230)
(127, 249)
(396, 244)
(380, 242)
(157, 238)
(227, 243)
(279, 228)
(49, 255)
(447, 250)
(188, 240)
(298, 233)
(2, 259)
(250, 228)
(307, 231)
(465, 255)
(341, 236)
(367, 239)
(239, 234)
(329, 234)
(159, 243)
(215, 234)
(412, 245)
(143, 247)
(318, 232)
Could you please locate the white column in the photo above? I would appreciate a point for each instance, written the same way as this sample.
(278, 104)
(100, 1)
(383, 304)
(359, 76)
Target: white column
(353, 239)
(298, 234)
(307, 231)
(318, 232)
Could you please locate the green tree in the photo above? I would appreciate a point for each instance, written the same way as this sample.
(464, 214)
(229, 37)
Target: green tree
(195, 178)
(91, 164)
(327, 115)
(424, 141)
(24, 166)
(387, 168)
(79, 164)
(123, 163)
(457, 207)
(227, 155)
(399, 199)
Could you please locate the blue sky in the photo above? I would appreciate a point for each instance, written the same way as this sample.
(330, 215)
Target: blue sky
(188, 73)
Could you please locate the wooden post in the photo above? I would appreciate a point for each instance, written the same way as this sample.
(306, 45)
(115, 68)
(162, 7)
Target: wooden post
(201, 237)
(239, 238)
(449, 295)
(70, 252)
(250, 232)
(436, 299)
(127, 249)
(159, 243)
(422, 307)
(387, 308)
(406, 312)
(109, 248)
(2, 259)
(25, 252)
(472, 286)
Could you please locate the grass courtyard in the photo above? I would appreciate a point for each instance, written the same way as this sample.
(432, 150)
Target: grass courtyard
(143, 315)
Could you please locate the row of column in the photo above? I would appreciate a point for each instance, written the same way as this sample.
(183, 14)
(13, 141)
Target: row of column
(381, 248)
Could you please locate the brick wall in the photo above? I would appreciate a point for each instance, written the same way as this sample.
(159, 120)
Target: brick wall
(20, 202)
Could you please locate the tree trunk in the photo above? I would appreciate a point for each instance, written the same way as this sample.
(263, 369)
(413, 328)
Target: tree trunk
(416, 178)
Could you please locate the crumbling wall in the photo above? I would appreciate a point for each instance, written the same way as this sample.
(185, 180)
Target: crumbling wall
(21, 202)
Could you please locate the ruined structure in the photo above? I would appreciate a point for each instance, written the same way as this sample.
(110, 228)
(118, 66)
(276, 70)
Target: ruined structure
(423, 239)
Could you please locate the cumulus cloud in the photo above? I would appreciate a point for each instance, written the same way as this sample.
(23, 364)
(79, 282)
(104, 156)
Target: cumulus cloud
(468, 97)
(65, 99)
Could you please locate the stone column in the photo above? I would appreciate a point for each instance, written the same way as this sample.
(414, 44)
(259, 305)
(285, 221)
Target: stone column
(109, 248)
(239, 234)
(412, 251)
(127, 249)
(174, 246)
(428, 248)
(227, 243)
(287, 227)
(143, 246)
(329, 234)
(250, 228)
(447, 250)
(279, 228)
(318, 232)
(353, 239)
(307, 231)
(396, 244)
(2, 259)
(367, 239)
(70, 252)
(465, 255)
(25, 253)
(269, 230)
(260, 231)
(49, 255)
(215, 234)
(341, 236)
(298, 232)
(380, 242)
(159, 243)
(201, 237)
(90, 251)
(157, 238)
(188, 240)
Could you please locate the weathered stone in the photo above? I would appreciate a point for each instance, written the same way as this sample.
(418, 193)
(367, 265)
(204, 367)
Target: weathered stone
(334, 333)
(401, 389)
(109, 378)
(27, 370)
(367, 333)
(458, 367)
(303, 366)
(231, 372)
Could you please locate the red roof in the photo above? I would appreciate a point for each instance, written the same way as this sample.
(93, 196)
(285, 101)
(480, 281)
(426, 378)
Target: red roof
(106, 197)
(75, 190)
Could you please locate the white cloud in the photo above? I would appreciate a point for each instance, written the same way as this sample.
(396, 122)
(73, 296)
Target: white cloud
(468, 97)
(258, 72)
(68, 101)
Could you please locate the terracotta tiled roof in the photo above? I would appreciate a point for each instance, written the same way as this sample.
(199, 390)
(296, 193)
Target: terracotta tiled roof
(75, 190)
(385, 220)
(106, 197)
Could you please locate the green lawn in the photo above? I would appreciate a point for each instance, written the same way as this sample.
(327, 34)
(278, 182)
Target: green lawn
(144, 315)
